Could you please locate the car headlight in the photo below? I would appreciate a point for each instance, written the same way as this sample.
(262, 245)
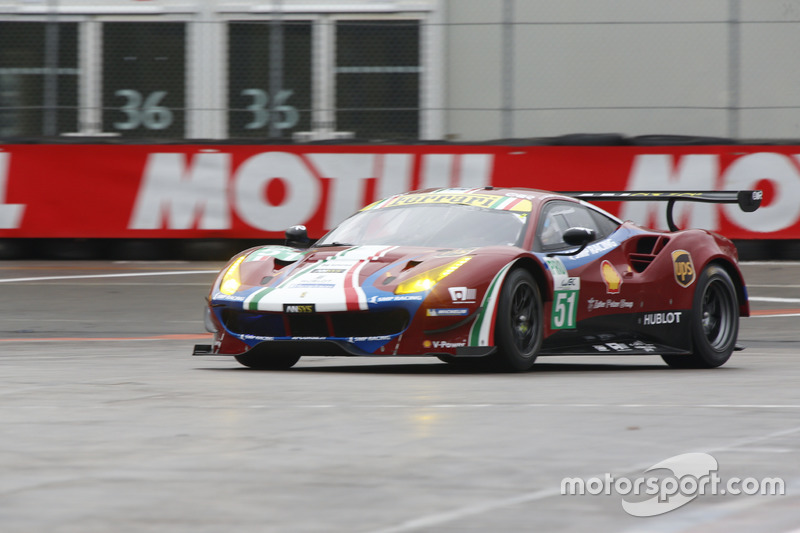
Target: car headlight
(426, 280)
(230, 281)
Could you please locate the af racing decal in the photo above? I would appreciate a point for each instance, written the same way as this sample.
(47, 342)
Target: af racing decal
(683, 267)
(598, 249)
(566, 293)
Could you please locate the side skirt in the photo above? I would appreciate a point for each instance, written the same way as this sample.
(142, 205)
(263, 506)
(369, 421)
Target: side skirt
(616, 347)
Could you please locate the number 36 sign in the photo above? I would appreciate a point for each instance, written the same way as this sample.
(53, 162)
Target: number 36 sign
(148, 110)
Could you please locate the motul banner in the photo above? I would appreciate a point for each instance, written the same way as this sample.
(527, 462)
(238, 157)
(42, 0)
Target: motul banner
(230, 191)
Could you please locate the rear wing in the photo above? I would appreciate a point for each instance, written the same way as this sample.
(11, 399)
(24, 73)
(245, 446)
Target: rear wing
(748, 201)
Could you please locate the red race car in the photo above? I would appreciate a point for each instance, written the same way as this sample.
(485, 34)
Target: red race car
(496, 275)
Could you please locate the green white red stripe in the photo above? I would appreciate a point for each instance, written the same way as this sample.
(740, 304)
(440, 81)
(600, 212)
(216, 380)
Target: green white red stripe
(482, 331)
(332, 284)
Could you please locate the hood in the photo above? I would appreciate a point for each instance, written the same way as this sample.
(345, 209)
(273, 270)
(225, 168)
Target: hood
(344, 278)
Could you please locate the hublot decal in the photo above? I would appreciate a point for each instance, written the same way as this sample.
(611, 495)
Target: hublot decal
(656, 319)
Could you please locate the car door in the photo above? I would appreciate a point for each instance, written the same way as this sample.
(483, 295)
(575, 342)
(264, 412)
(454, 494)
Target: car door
(592, 303)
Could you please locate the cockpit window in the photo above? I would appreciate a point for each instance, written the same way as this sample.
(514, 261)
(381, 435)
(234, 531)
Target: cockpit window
(557, 216)
(444, 226)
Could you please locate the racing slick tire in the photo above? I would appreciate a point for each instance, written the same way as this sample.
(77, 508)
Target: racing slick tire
(518, 326)
(714, 322)
(261, 361)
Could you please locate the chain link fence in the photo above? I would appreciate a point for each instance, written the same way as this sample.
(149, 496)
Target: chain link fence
(402, 77)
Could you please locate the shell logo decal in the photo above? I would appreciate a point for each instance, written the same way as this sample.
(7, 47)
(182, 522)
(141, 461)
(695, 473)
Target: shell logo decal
(684, 268)
(611, 277)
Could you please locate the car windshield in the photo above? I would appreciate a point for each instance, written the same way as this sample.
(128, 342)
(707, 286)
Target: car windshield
(441, 226)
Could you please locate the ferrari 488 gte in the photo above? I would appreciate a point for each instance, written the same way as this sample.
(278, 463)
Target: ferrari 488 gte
(494, 275)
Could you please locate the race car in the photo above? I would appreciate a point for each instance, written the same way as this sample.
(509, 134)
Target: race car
(497, 276)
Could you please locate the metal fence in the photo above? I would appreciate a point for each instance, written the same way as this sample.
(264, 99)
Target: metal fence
(407, 76)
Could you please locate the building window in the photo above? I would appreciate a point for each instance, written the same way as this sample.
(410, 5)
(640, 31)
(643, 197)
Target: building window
(144, 72)
(268, 98)
(38, 78)
(378, 78)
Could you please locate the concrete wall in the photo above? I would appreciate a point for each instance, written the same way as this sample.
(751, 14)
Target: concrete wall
(634, 67)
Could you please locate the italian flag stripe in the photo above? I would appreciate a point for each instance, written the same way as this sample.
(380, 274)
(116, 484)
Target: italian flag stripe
(252, 301)
(482, 331)
(506, 203)
(355, 297)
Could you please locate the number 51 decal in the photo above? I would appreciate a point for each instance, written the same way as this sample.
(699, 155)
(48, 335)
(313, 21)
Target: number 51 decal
(565, 309)
(566, 291)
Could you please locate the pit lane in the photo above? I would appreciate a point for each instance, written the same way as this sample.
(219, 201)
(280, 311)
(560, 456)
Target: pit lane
(109, 424)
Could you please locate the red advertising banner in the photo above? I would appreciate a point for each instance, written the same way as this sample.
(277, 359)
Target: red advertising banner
(230, 191)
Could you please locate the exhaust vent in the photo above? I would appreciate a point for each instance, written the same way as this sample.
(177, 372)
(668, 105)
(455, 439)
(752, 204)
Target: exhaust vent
(647, 248)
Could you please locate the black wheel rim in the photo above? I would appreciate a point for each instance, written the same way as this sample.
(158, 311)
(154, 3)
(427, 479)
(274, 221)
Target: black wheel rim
(718, 315)
(524, 318)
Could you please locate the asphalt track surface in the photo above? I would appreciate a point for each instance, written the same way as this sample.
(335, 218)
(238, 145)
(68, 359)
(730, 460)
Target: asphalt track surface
(108, 424)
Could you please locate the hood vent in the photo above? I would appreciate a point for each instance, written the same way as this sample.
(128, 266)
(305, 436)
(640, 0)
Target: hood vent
(280, 263)
(410, 265)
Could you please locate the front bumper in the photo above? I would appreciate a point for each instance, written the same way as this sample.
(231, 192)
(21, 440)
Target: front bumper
(334, 348)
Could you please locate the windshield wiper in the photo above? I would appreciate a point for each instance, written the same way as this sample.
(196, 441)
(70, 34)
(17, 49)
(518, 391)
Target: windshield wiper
(328, 244)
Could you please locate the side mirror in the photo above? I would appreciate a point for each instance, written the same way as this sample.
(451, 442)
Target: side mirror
(579, 236)
(576, 237)
(297, 237)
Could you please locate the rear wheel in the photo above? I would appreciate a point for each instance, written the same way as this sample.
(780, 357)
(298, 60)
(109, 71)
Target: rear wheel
(266, 361)
(518, 326)
(714, 322)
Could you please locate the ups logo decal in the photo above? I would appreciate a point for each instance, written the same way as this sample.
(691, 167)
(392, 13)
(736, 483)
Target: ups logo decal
(299, 308)
(684, 268)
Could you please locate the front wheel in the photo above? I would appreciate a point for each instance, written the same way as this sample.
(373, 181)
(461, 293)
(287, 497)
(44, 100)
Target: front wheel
(518, 327)
(715, 322)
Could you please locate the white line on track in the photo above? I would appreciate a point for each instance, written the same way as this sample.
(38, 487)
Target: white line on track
(101, 276)
(770, 263)
(407, 407)
(536, 405)
(415, 524)
(470, 510)
(774, 299)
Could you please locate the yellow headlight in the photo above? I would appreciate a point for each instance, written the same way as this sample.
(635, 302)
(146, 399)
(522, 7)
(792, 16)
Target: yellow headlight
(230, 281)
(426, 280)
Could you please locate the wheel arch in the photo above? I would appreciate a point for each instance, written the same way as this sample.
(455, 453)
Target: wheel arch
(482, 330)
(738, 282)
(537, 271)
(713, 342)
